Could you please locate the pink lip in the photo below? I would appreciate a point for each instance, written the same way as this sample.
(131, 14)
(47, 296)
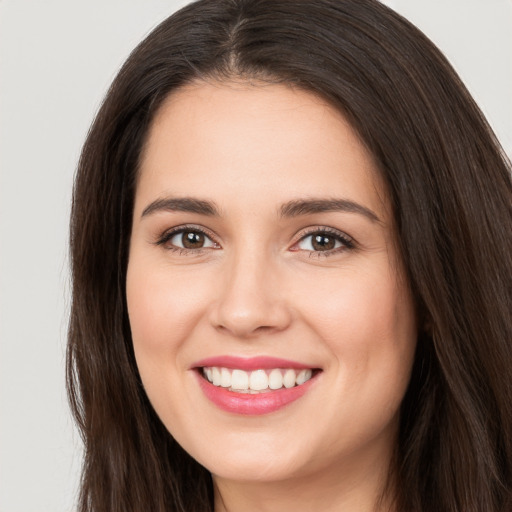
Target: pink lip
(249, 363)
(247, 404)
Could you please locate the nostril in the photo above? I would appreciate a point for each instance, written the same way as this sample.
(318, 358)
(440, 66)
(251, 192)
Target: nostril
(243, 331)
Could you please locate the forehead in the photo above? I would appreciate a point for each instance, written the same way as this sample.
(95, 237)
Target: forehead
(256, 141)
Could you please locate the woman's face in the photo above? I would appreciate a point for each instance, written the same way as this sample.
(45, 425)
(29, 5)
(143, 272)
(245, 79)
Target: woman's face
(262, 258)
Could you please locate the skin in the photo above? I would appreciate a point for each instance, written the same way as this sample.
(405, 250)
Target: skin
(258, 288)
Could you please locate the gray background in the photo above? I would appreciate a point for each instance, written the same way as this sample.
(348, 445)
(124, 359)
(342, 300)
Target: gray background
(57, 58)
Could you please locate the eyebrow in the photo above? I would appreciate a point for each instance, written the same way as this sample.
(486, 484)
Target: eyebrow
(182, 204)
(293, 208)
(311, 206)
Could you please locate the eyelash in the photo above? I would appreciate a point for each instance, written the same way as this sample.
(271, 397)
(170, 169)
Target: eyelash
(183, 251)
(347, 242)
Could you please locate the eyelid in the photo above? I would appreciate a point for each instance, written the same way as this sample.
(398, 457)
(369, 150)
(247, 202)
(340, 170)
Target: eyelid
(347, 241)
(170, 233)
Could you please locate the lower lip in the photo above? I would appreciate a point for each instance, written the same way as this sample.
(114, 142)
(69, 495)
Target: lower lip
(252, 404)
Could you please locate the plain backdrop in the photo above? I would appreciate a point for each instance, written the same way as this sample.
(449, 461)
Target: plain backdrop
(57, 58)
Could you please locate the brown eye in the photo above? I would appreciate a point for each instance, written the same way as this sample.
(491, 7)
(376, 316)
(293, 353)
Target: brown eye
(322, 242)
(325, 241)
(188, 239)
(192, 240)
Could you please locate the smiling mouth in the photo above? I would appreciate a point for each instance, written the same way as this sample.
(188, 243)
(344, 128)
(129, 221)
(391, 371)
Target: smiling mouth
(256, 381)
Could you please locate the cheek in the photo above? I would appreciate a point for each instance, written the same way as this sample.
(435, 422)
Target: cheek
(368, 321)
(162, 304)
(358, 304)
(371, 332)
(164, 308)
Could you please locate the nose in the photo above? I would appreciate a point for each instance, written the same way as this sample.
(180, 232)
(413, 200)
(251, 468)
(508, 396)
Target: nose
(251, 300)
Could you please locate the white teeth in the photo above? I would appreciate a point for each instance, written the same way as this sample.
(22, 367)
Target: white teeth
(216, 376)
(225, 378)
(239, 380)
(257, 380)
(303, 376)
(275, 379)
(289, 379)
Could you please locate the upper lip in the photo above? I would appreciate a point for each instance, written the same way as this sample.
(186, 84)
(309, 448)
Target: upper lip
(249, 363)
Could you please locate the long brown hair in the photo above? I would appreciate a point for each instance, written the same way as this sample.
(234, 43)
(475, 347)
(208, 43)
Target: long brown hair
(450, 186)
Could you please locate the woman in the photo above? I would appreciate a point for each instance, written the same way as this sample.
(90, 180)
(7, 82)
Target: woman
(292, 274)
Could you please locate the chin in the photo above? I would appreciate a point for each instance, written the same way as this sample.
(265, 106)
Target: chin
(250, 457)
(256, 469)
